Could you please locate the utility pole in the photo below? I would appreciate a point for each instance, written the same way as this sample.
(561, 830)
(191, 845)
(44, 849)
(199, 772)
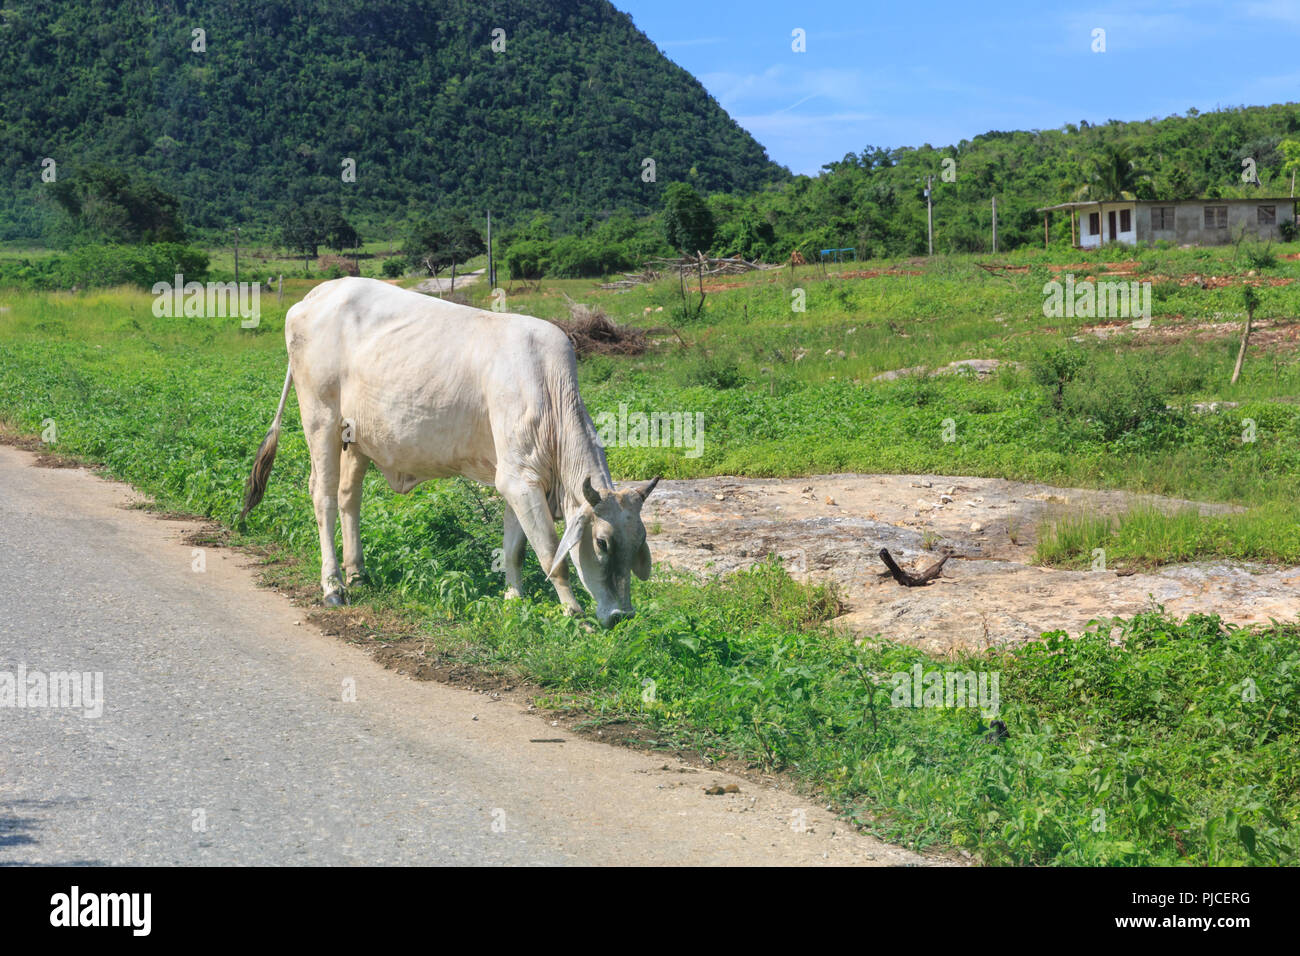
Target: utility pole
(236, 255)
(995, 223)
(929, 214)
(491, 271)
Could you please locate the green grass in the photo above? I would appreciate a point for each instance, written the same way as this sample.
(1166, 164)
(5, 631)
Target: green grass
(1154, 741)
(1150, 535)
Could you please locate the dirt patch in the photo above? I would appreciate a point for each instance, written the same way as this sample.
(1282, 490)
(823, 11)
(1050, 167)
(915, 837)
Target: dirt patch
(1221, 282)
(980, 368)
(1274, 334)
(44, 459)
(1112, 268)
(441, 284)
(831, 528)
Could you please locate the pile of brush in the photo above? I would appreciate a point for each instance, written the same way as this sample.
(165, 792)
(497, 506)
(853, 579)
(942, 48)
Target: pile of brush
(592, 332)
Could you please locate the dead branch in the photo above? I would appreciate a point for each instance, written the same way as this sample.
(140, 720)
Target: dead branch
(912, 580)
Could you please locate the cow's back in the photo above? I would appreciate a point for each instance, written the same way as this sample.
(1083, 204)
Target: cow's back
(426, 384)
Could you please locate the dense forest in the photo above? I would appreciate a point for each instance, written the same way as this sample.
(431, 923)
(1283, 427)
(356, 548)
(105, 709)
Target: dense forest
(515, 106)
(157, 142)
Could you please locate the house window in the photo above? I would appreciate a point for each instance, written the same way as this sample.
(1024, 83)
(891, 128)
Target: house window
(1125, 220)
(1094, 223)
(1216, 217)
(1267, 215)
(1162, 218)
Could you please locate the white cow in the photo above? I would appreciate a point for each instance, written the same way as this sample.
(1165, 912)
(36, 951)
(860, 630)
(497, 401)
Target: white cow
(429, 389)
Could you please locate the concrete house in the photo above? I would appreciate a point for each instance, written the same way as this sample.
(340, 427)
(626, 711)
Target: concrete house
(1196, 222)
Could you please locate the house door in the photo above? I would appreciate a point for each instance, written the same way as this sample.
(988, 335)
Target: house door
(1110, 221)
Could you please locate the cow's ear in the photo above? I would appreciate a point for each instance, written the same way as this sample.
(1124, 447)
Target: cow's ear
(572, 535)
(641, 563)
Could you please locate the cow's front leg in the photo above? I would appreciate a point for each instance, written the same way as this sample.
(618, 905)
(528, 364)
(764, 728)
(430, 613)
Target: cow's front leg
(352, 474)
(534, 515)
(325, 451)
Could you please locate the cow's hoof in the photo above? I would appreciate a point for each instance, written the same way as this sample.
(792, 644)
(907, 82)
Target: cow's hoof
(358, 577)
(335, 599)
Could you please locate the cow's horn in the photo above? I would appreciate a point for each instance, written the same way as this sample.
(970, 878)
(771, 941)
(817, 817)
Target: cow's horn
(590, 493)
(649, 486)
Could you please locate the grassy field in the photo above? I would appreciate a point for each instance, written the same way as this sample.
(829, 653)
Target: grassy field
(1144, 741)
(792, 393)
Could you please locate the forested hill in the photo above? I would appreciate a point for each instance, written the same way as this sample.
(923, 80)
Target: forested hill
(412, 90)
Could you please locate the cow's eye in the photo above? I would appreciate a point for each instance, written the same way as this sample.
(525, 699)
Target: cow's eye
(602, 545)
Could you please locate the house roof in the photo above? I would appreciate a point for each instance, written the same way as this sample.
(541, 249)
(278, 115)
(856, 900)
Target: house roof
(1160, 202)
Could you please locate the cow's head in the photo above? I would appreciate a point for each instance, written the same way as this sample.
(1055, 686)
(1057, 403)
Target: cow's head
(608, 543)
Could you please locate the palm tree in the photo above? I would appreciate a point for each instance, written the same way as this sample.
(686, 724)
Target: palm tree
(1113, 175)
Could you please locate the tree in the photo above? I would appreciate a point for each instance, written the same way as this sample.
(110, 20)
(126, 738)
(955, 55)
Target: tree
(443, 240)
(104, 204)
(301, 231)
(1290, 150)
(1250, 299)
(1114, 174)
(341, 235)
(688, 225)
(306, 226)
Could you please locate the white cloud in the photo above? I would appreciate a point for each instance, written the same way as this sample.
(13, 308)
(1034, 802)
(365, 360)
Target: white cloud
(1286, 11)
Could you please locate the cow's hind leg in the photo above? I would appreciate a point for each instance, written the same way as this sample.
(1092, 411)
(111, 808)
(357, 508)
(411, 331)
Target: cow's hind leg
(533, 513)
(512, 554)
(352, 473)
(326, 449)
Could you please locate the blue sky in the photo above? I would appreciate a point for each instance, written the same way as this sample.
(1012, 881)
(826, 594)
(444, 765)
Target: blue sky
(905, 74)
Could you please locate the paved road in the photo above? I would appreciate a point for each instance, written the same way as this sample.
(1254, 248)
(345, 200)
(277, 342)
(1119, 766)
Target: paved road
(225, 736)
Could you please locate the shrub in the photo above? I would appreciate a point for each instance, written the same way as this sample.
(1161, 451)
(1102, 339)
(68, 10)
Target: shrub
(25, 274)
(572, 257)
(916, 391)
(716, 373)
(1260, 256)
(111, 265)
(1119, 401)
(527, 258)
(1057, 368)
(394, 267)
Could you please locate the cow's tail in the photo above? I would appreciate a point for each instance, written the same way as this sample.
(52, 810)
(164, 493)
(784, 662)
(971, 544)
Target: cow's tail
(265, 459)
